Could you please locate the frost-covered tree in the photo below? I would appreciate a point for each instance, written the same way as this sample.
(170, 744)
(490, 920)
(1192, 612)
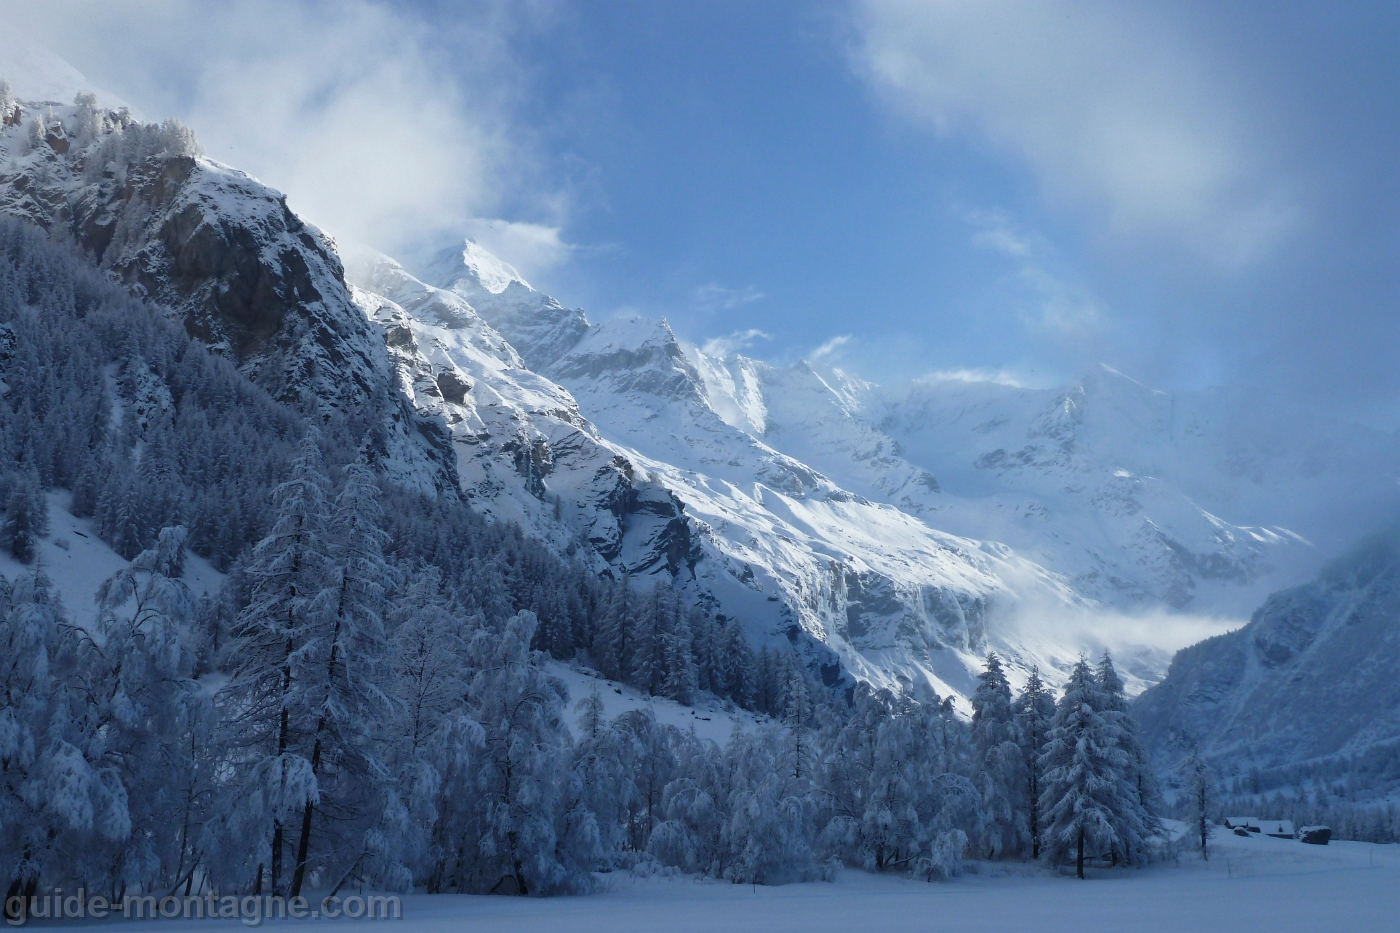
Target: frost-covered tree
(505, 838)
(998, 762)
(886, 785)
(1138, 794)
(340, 673)
(766, 839)
(63, 808)
(156, 720)
(1198, 783)
(1035, 713)
(1083, 768)
(269, 708)
(431, 742)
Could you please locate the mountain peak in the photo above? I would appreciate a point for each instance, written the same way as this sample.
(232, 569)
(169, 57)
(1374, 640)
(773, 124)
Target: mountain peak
(469, 268)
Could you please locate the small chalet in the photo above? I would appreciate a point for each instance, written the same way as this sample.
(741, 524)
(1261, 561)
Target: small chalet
(1279, 829)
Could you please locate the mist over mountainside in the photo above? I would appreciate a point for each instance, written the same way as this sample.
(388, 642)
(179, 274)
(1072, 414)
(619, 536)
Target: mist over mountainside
(896, 533)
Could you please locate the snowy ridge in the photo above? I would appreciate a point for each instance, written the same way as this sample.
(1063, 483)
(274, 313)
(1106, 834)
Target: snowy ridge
(1132, 498)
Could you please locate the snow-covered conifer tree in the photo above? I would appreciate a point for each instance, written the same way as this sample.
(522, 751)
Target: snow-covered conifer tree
(265, 708)
(680, 682)
(1035, 713)
(26, 515)
(340, 684)
(1083, 768)
(998, 762)
(1139, 796)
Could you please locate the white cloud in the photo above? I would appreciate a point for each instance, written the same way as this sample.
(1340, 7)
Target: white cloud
(1108, 111)
(998, 376)
(831, 346)
(713, 296)
(722, 347)
(379, 128)
(1058, 306)
(1061, 307)
(996, 233)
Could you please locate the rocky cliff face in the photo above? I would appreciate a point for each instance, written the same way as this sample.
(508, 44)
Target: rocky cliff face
(225, 254)
(1311, 675)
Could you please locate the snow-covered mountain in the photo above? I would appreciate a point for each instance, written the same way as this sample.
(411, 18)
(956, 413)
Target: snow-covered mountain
(621, 447)
(1203, 501)
(890, 533)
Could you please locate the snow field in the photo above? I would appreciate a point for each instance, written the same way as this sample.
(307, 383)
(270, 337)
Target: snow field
(1254, 884)
(707, 717)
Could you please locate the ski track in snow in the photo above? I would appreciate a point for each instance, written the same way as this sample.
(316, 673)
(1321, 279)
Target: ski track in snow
(1253, 884)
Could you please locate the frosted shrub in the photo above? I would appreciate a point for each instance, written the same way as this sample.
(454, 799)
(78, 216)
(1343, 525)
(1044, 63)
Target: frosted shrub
(945, 856)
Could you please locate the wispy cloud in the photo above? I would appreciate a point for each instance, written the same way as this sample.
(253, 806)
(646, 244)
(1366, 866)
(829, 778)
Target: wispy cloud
(996, 233)
(1109, 111)
(831, 346)
(713, 296)
(358, 110)
(997, 376)
(722, 347)
(1057, 305)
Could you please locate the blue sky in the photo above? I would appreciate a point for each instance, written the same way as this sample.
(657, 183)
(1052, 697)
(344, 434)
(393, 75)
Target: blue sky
(1192, 192)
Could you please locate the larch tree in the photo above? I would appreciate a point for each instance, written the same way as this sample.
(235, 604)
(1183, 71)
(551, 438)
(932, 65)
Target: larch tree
(1199, 784)
(265, 708)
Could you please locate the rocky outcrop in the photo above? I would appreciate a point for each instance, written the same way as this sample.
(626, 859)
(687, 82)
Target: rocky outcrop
(227, 256)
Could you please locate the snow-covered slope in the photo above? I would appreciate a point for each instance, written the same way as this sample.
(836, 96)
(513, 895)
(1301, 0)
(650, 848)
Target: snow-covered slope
(76, 561)
(1136, 519)
(657, 483)
(1313, 674)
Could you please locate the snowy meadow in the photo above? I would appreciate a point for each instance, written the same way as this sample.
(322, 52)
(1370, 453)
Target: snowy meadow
(1249, 884)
